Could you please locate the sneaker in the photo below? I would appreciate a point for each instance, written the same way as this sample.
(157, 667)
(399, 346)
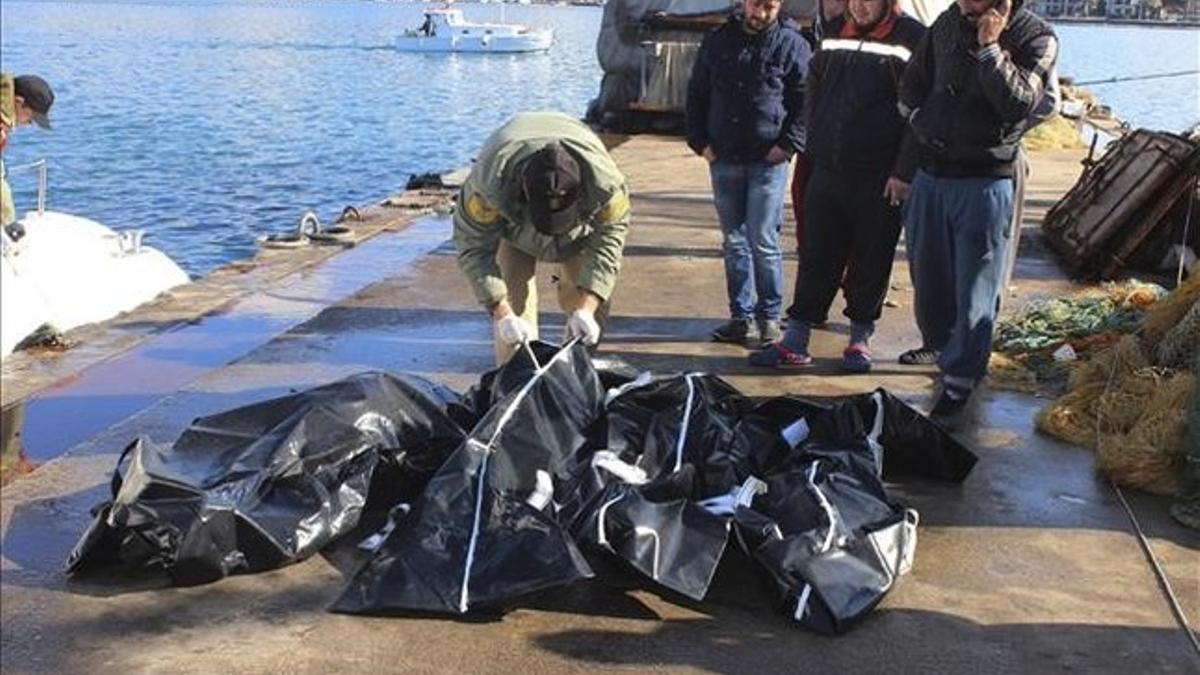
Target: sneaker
(857, 358)
(768, 332)
(776, 356)
(736, 331)
(922, 356)
(950, 402)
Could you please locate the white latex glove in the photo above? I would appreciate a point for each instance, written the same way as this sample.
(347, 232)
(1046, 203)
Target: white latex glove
(582, 324)
(514, 330)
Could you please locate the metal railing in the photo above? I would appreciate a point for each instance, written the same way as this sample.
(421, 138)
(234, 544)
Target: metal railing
(41, 167)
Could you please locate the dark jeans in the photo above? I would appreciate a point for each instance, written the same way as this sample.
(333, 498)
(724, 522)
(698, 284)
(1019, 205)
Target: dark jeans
(957, 232)
(847, 221)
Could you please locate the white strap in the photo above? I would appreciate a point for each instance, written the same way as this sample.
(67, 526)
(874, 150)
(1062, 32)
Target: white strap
(532, 356)
(642, 531)
(825, 506)
(601, 535)
(543, 491)
(687, 417)
(486, 450)
(743, 495)
(811, 477)
(876, 431)
(476, 446)
(644, 378)
(802, 602)
(628, 473)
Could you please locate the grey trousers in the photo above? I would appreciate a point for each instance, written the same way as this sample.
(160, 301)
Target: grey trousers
(519, 272)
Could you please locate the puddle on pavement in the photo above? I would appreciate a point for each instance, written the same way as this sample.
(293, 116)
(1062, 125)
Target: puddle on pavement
(72, 411)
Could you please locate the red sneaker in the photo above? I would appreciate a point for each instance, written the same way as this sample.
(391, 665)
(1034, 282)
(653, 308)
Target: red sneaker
(777, 356)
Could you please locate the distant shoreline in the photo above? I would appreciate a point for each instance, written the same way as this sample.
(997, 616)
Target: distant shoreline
(1092, 20)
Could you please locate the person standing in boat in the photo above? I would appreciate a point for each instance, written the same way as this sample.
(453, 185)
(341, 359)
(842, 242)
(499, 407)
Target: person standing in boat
(544, 188)
(23, 100)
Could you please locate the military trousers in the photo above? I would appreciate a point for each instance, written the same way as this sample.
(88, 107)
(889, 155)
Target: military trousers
(8, 212)
(519, 271)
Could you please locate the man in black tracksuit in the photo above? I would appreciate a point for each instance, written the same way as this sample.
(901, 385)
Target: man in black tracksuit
(969, 94)
(860, 174)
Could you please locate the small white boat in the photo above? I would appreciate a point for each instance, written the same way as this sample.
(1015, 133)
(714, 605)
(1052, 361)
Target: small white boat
(445, 30)
(67, 271)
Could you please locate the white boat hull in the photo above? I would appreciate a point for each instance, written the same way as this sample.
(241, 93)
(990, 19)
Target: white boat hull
(497, 44)
(68, 271)
(447, 30)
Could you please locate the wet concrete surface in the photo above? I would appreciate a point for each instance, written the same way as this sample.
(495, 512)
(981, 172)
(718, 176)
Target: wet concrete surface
(1029, 566)
(69, 412)
(24, 374)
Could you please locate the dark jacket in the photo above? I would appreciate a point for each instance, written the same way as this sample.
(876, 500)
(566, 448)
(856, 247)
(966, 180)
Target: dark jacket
(746, 92)
(968, 106)
(850, 100)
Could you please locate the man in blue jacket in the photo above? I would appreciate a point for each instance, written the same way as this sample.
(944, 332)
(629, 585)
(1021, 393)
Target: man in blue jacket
(969, 94)
(744, 117)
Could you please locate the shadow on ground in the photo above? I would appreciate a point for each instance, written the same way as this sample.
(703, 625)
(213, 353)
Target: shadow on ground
(731, 642)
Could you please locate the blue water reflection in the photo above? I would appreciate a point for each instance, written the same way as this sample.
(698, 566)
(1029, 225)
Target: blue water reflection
(208, 123)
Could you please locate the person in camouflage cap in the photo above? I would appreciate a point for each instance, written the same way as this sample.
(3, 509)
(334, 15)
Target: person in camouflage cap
(543, 189)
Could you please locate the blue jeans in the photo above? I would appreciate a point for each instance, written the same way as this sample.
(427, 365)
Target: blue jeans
(957, 232)
(749, 201)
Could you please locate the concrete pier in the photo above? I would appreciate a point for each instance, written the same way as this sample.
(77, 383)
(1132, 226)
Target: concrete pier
(1031, 565)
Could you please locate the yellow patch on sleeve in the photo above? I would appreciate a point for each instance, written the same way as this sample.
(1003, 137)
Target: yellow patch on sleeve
(616, 208)
(482, 212)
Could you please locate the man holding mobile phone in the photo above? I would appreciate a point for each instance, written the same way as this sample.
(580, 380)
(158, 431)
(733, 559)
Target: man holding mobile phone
(968, 95)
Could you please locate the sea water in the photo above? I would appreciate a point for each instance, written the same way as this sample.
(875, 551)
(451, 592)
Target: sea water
(209, 122)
